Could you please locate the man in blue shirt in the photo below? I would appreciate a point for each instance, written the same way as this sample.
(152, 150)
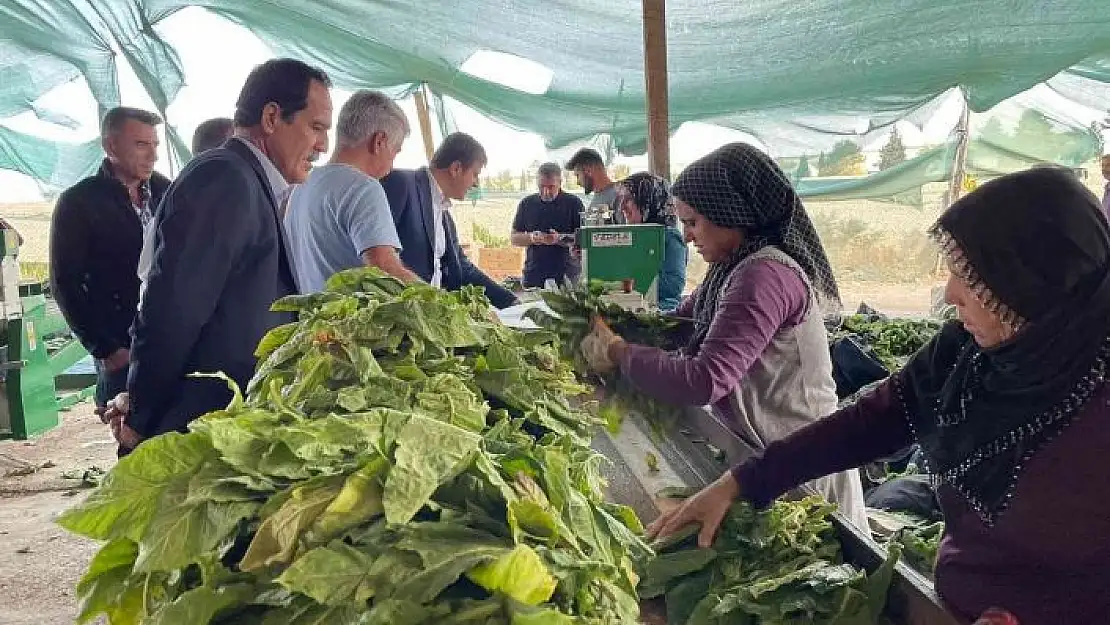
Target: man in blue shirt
(339, 218)
(542, 220)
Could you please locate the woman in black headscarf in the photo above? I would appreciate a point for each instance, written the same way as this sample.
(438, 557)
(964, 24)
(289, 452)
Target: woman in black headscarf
(1010, 406)
(646, 199)
(759, 353)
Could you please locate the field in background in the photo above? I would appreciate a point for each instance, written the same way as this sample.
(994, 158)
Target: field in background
(879, 251)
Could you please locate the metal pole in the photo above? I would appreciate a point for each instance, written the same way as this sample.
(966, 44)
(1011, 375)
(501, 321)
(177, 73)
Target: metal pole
(959, 162)
(655, 78)
(424, 118)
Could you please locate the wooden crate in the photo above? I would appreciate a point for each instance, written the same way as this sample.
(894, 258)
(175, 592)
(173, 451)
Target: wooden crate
(498, 262)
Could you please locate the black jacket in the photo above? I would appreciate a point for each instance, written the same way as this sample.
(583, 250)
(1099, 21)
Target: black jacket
(410, 200)
(95, 240)
(220, 262)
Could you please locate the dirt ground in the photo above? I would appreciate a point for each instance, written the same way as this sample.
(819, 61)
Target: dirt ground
(40, 562)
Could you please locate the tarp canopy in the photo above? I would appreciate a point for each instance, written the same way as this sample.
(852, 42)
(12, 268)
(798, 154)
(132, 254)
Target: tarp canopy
(801, 75)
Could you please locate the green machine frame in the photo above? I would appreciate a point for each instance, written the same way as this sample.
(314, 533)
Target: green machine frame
(37, 350)
(615, 253)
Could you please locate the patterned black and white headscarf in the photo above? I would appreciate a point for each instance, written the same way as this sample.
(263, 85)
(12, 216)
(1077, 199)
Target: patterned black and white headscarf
(652, 195)
(1034, 248)
(739, 187)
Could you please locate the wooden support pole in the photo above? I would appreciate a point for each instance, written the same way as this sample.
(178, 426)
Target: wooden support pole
(959, 160)
(422, 115)
(655, 78)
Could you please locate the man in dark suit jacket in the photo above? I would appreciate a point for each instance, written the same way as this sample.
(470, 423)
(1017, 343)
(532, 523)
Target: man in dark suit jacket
(219, 258)
(95, 239)
(420, 201)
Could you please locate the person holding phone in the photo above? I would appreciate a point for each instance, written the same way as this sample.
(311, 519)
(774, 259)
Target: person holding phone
(545, 223)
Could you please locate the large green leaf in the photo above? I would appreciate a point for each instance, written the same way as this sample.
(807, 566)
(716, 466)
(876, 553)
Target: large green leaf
(429, 452)
(108, 587)
(446, 552)
(278, 535)
(219, 482)
(273, 339)
(435, 324)
(181, 533)
(664, 569)
(543, 615)
(304, 611)
(450, 399)
(358, 501)
(334, 575)
(403, 612)
(519, 574)
(200, 605)
(128, 498)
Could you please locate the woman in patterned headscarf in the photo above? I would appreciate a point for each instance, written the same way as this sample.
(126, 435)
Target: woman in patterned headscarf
(646, 199)
(1010, 406)
(759, 352)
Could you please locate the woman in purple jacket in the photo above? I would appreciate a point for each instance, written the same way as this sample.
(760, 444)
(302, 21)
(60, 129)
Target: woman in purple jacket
(759, 353)
(1010, 406)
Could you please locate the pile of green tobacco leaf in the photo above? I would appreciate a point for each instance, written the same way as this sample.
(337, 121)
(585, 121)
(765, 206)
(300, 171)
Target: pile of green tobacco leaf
(918, 537)
(892, 341)
(921, 543)
(775, 567)
(574, 308)
(398, 459)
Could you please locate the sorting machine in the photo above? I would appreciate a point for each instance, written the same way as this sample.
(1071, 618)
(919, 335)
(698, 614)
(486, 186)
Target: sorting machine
(38, 353)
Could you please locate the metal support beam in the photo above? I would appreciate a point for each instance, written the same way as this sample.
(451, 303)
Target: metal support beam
(422, 115)
(958, 172)
(959, 161)
(655, 78)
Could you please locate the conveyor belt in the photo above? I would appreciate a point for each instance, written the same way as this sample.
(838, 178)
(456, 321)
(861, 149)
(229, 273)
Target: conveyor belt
(685, 459)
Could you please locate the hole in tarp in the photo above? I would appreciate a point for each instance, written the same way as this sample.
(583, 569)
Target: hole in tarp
(509, 70)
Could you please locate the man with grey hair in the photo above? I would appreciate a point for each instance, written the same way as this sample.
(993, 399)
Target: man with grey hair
(545, 223)
(95, 240)
(340, 218)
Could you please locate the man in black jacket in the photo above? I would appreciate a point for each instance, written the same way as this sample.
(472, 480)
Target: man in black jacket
(220, 256)
(95, 240)
(421, 200)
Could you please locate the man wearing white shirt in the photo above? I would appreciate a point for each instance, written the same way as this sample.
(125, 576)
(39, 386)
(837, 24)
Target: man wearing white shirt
(420, 201)
(440, 204)
(211, 133)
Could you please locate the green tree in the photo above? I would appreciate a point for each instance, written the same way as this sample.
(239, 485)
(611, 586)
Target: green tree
(993, 132)
(893, 152)
(503, 181)
(788, 164)
(822, 164)
(523, 180)
(1039, 138)
(845, 159)
(803, 170)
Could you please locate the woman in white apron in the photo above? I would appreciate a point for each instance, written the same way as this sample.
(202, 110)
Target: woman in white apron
(759, 354)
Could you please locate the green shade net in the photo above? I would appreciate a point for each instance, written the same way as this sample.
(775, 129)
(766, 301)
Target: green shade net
(800, 75)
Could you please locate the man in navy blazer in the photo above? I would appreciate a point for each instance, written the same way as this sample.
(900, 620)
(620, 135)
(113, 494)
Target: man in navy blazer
(219, 258)
(420, 201)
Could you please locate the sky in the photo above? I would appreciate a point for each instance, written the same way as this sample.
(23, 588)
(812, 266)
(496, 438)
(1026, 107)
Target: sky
(214, 75)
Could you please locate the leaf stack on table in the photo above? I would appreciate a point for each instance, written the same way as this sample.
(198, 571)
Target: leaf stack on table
(573, 309)
(892, 341)
(401, 458)
(782, 566)
(398, 458)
